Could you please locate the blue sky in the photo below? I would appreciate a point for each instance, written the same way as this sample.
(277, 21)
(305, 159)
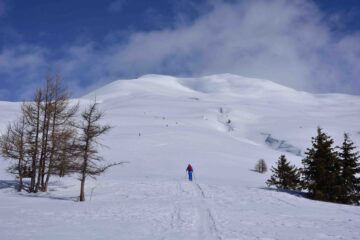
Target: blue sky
(309, 45)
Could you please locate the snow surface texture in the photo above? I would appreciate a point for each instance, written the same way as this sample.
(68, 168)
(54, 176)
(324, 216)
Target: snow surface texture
(163, 123)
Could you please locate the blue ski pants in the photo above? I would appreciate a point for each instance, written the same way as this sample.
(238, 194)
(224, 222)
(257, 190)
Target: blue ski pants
(190, 175)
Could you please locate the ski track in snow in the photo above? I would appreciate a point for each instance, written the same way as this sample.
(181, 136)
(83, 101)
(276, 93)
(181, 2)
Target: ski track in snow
(202, 217)
(177, 209)
(207, 228)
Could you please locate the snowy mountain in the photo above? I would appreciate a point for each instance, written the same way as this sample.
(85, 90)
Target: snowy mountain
(221, 124)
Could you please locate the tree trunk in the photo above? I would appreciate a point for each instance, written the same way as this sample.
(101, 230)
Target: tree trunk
(44, 143)
(46, 183)
(20, 184)
(45, 186)
(20, 174)
(82, 189)
(35, 153)
(84, 170)
(52, 150)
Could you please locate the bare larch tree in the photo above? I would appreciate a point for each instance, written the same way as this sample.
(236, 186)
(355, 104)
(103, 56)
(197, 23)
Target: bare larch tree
(48, 131)
(90, 162)
(12, 145)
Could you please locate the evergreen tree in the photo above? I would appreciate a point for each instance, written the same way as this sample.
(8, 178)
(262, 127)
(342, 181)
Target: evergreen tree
(322, 169)
(284, 175)
(350, 167)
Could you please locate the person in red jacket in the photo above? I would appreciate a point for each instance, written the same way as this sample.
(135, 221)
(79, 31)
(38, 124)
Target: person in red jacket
(190, 170)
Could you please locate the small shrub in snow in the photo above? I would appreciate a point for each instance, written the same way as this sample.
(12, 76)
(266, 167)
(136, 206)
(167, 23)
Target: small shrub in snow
(261, 166)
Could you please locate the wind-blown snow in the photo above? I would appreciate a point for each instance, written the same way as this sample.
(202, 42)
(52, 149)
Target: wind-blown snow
(161, 124)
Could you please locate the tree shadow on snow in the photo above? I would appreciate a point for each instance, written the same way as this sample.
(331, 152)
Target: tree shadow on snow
(49, 196)
(9, 184)
(14, 184)
(296, 193)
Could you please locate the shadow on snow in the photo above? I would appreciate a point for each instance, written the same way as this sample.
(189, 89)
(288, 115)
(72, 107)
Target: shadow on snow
(9, 184)
(296, 193)
(14, 184)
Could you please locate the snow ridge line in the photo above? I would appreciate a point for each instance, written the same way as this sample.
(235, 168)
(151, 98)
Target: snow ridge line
(208, 221)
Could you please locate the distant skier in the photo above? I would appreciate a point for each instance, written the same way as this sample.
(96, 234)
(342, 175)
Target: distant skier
(190, 170)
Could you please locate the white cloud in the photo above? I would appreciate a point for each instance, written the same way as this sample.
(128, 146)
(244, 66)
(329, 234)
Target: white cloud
(23, 68)
(284, 41)
(23, 58)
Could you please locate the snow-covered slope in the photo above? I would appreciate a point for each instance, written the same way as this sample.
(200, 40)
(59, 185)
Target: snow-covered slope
(161, 124)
